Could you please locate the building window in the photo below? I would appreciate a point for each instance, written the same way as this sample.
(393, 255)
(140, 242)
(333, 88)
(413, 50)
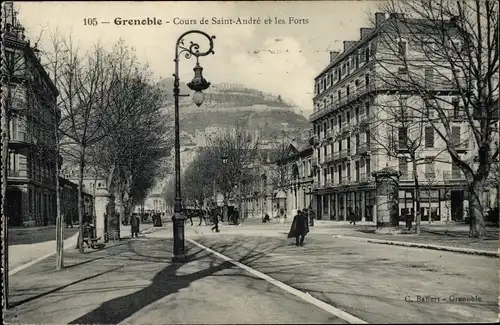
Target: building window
(455, 136)
(339, 94)
(356, 60)
(367, 79)
(402, 48)
(429, 137)
(429, 167)
(367, 54)
(402, 137)
(367, 136)
(455, 102)
(347, 90)
(428, 78)
(368, 167)
(403, 167)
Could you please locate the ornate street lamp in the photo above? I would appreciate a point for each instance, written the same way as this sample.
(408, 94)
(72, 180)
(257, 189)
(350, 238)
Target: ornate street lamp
(198, 84)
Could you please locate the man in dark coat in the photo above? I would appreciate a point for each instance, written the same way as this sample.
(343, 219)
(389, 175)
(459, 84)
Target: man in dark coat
(215, 219)
(300, 228)
(134, 225)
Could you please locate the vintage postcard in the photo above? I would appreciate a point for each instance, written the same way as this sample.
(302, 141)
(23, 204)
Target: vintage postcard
(250, 162)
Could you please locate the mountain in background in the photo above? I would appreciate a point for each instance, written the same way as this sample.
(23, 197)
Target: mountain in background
(230, 104)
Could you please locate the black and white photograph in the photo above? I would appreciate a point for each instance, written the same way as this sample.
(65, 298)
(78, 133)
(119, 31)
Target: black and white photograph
(250, 162)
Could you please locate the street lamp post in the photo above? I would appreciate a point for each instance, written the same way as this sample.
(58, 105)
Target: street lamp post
(198, 84)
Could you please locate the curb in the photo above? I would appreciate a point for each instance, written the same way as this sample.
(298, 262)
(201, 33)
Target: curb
(425, 246)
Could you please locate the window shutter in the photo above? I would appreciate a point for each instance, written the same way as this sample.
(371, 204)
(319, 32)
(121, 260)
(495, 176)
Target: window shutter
(455, 136)
(403, 166)
(402, 137)
(429, 137)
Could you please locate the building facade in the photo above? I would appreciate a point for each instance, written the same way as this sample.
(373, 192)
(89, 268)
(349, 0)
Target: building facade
(353, 97)
(32, 118)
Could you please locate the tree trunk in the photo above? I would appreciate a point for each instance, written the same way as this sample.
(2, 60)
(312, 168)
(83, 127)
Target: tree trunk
(430, 202)
(417, 200)
(80, 198)
(476, 211)
(59, 217)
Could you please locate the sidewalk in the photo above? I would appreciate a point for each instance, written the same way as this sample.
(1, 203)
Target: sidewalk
(134, 282)
(27, 254)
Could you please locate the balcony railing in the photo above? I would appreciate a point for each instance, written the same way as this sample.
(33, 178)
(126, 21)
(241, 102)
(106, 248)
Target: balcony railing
(406, 177)
(329, 183)
(454, 177)
(365, 178)
(345, 180)
(328, 158)
(344, 100)
(336, 155)
(343, 153)
(362, 148)
(315, 186)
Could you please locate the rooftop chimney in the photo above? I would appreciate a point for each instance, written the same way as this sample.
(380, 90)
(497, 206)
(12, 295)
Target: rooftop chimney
(333, 55)
(365, 31)
(379, 18)
(348, 45)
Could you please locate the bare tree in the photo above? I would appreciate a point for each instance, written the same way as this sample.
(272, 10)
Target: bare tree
(239, 147)
(88, 81)
(278, 175)
(447, 53)
(137, 134)
(402, 135)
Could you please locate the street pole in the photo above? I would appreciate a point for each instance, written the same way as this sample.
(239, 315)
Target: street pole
(197, 84)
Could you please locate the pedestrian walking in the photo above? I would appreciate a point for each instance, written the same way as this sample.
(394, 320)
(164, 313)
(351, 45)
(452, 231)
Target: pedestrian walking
(68, 220)
(299, 228)
(266, 219)
(352, 217)
(134, 226)
(409, 220)
(215, 220)
(311, 216)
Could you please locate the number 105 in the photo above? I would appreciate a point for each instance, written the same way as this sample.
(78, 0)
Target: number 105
(90, 21)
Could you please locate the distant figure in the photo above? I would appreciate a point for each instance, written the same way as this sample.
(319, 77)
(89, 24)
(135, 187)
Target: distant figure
(266, 219)
(312, 216)
(134, 226)
(215, 220)
(352, 216)
(68, 220)
(299, 228)
(409, 220)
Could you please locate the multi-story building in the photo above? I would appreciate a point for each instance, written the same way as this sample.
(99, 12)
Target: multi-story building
(32, 117)
(299, 173)
(353, 95)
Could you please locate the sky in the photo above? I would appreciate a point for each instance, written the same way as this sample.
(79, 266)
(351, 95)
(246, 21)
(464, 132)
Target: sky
(279, 58)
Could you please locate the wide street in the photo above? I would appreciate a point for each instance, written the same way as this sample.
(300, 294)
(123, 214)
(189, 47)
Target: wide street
(134, 282)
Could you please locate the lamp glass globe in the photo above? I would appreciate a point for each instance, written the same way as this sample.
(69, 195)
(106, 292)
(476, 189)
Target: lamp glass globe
(198, 98)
